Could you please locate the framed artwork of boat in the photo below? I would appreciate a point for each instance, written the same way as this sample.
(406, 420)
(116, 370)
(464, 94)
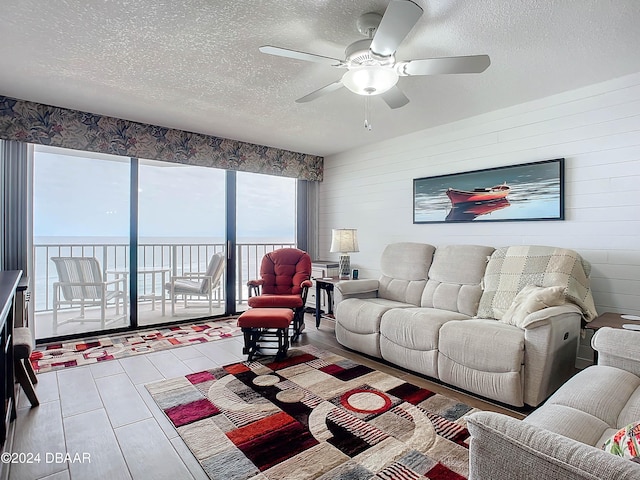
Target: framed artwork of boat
(529, 191)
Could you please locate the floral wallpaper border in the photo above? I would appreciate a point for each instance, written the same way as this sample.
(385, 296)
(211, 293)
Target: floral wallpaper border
(32, 122)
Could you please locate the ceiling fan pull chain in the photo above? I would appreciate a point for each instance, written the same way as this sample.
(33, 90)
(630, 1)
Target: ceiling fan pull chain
(367, 113)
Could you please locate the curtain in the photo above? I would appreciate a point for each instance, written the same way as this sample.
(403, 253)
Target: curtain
(36, 123)
(313, 222)
(16, 202)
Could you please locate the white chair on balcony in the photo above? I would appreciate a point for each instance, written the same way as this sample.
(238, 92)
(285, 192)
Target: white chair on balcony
(198, 284)
(81, 284)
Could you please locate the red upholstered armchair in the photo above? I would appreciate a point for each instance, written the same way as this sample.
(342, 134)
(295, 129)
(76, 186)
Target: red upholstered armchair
(284, 283)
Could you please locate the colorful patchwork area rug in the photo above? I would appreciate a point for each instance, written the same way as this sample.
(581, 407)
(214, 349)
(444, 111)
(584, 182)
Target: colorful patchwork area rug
(54, 356)
(315, 414)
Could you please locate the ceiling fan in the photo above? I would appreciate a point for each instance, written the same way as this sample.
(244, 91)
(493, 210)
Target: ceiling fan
(372, 68)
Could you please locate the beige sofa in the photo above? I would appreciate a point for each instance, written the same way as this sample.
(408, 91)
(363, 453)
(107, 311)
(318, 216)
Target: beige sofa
(563, 438)
(436, 311)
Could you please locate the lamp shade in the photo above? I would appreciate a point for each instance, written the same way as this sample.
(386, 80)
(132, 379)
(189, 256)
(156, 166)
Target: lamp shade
(370, 79)
(344, 240)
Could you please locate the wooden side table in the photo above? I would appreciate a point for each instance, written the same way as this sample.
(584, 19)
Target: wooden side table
(608, 319)
(327, 285)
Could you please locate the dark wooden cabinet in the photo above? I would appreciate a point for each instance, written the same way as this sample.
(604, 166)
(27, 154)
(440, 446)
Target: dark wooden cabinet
(9, 281)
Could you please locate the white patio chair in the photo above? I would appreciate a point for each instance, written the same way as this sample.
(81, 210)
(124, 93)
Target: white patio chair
(198, 284)
(80, 283)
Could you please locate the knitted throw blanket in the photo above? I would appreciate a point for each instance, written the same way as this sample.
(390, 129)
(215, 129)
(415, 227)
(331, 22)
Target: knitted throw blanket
(511, 268)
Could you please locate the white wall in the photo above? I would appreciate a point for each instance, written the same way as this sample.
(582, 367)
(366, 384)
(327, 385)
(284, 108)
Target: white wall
(596, 129)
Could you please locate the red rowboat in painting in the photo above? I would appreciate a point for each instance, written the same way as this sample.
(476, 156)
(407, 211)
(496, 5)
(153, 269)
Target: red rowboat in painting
(478, 194)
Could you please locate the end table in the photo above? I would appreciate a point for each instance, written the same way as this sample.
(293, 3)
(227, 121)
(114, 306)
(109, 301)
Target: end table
(608, 319)
(327, 285)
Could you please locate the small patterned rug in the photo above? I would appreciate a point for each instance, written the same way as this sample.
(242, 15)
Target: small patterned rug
(315, 414)
(54, 356)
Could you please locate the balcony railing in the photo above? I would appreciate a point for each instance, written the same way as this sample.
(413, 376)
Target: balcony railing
(178, 258)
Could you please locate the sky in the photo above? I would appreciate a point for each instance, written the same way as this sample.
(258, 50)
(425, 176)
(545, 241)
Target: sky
(81, 196)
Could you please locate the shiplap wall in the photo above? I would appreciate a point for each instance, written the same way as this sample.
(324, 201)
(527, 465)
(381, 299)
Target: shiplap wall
(596, 129)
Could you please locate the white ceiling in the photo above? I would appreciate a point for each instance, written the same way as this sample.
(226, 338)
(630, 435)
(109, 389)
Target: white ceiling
(195, 64)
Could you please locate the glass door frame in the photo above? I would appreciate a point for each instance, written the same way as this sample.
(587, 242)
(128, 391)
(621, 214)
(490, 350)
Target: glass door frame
(230, 276)
(230, 296)
(231, 240)
(133, 244)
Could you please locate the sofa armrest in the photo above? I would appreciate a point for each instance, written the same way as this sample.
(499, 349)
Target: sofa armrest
(550, 350)
(344, 289)
(546, 315)
(618, 348)
(504, 448)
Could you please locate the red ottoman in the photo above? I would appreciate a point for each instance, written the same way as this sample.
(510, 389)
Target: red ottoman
(270, 324)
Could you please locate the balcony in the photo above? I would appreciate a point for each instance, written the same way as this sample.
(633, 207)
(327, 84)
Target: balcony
(155, 260)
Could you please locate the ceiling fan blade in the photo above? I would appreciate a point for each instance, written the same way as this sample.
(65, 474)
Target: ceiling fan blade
(309, 57)
(439, 66)
(397, 22)
(332, 87)
(394, 97)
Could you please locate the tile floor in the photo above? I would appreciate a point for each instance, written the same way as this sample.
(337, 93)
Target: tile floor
(104, 413)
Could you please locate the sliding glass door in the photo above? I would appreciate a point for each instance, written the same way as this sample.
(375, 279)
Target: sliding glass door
(181, 242)
(109, 229)
(81, 241)
(265, 221)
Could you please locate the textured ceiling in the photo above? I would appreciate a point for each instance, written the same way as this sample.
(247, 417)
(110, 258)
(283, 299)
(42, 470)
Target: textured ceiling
(195, 64)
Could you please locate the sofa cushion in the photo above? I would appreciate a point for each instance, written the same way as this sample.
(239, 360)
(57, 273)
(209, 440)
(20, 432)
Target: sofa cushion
(532, 299)
(399, 290)
(416, 328)
(454, 278)
(424, 362)
(363, 316)
(484, 357)
(409, 337)
(570, 422)
(404, 271)
(600, 391)
(358, 323)
(407, 260)
(468, 343)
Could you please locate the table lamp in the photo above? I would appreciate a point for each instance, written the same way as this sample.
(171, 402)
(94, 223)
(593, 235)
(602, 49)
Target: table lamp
(344, 241)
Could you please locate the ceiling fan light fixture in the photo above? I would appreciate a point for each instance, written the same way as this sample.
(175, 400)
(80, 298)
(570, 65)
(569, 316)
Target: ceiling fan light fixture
(370, 79)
